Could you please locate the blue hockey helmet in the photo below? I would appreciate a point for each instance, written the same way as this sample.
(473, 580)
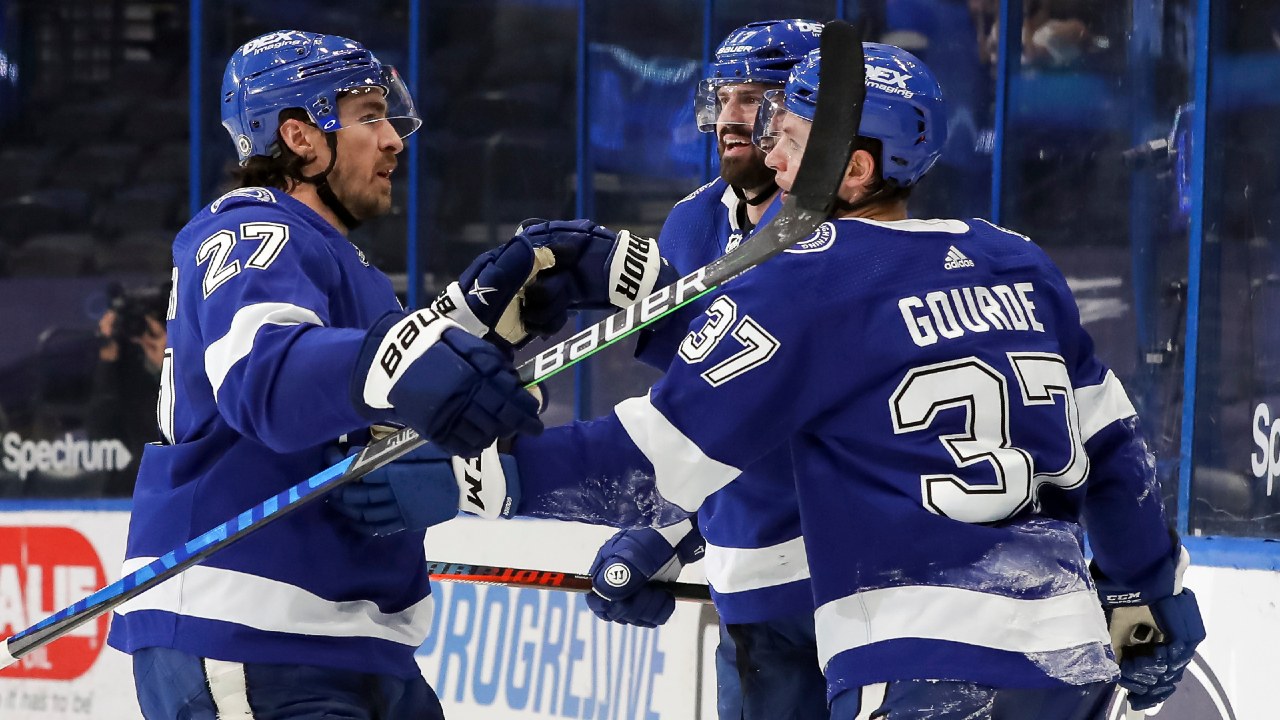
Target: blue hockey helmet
(904, 110)
(295, 69)
(759, 52)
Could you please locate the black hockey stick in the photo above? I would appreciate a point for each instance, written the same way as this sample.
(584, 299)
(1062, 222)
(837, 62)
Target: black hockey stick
(548, 579)
(809, 203)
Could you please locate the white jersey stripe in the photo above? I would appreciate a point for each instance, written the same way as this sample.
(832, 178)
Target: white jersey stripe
(684, 474)
(954, 227)
(1102, 404)
(229, 689)
(233, 347)
(274, 606)
(733, 570)
(930, 612)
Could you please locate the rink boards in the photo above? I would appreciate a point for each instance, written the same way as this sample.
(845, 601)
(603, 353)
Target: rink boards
(497, 652)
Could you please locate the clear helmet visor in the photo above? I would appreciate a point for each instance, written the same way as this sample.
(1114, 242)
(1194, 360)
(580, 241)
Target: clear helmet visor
(777, 130)
(728, 102)
(387, 100)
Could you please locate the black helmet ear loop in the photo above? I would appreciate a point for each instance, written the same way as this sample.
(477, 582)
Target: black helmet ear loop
(321, 181)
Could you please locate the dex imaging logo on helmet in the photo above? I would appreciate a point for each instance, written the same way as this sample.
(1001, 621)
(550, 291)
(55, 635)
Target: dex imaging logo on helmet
(269, 42)
(889, 80)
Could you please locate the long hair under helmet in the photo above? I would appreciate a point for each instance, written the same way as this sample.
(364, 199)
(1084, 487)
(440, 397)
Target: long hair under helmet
(295, 69)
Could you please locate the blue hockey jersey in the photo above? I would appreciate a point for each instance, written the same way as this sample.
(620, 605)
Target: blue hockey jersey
(268, 311)
(755, 560)
(951, 430)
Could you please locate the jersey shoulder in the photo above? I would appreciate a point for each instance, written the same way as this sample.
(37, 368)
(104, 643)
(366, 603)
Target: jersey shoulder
(1010, 252)
(238, 210)
(707, 194)
(241, 197)
(253, 229)
(696, 228)
(701, 206)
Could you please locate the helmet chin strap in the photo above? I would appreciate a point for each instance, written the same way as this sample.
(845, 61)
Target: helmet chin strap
(764, 193)
(321, 181)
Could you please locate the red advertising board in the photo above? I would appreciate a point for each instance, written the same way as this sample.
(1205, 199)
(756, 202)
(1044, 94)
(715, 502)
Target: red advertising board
(42, 570)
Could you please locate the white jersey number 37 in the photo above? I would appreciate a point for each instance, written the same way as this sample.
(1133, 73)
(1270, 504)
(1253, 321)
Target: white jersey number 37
(758, 345)
(983, 391)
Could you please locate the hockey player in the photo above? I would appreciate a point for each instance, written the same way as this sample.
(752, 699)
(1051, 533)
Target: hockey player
(767, 662)
(282, 339)
(952, 432)
(941, 507)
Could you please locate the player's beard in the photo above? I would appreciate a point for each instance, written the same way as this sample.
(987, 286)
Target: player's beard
(363, 199)
(748, 173)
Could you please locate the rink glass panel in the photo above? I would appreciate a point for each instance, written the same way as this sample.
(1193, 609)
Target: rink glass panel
(1095, 80)
(643, 149)
(1235, 488)
(497, 91)
(497, 146)
(93, 151)
(647, 153)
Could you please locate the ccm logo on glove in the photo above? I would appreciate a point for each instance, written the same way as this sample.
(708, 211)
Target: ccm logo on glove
(472, 476)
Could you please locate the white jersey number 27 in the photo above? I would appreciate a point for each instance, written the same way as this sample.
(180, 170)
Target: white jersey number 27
(983, 391)
(217, 248)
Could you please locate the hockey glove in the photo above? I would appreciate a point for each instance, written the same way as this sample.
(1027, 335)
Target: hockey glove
(595, 269)
(458, 391)
(629, 560)
(487, 296)
(415, 492)
(1154, 640)
(427, 487)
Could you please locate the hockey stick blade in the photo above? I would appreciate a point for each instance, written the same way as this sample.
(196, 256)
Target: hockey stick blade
(808, 204)
(550, 580)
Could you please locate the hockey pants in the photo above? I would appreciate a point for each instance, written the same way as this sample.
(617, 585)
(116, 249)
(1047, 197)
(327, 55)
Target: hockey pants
(173, 685)
(769, 671)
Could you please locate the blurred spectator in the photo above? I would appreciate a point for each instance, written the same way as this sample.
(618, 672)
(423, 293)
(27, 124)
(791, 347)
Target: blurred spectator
(126, 383)
(1055, 33)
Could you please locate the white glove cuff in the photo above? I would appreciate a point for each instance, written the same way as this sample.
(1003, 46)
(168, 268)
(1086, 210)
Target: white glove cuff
(482, 485)
(404, 343)
(1184, 562)
(633, 269)
(452, 304)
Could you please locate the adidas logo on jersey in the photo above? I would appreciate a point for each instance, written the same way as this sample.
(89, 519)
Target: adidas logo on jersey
(956, 260)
